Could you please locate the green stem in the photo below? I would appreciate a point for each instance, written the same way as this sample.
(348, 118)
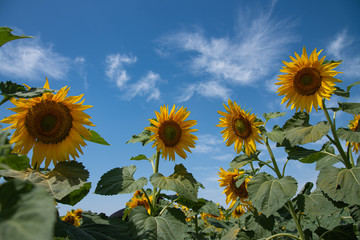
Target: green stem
(283, 234)
(155, 191)
(297, 223)
(252, 167)
(350, 154)
(283, 172)
(196, 225)
(336, 139)
(276, 168)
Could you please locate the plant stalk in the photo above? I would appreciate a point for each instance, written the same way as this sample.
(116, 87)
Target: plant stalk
(155, 191)
(297, 223)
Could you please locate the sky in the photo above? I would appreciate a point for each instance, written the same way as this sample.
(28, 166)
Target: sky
(131, 57)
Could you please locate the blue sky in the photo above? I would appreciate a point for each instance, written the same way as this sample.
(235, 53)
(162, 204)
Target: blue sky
(131, 57)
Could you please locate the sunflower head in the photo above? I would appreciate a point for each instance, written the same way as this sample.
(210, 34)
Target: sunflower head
(306, 81)
(51, 125)
(354, 125)
(172, 133)
(73, 217)
(241, 128)
(228, 180)
(139, 199)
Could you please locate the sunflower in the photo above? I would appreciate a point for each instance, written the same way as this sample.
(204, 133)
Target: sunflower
(139, 199)
(307, 80)
(51, 125)
(172, 134)
(73, 217)
(228, 180)
(354, 126)
(240, 128)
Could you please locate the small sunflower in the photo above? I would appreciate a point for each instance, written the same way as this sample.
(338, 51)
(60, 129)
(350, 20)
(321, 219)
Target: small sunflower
(354, 125)
(240, 128)
(239, 211)
(172, 133)
(51, 125)
(139, 199)
(307, 81)
(73, 217)
(228, 180)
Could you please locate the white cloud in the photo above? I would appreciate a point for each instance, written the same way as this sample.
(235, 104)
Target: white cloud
(343, 47)
(207, 143)
(243, 59)
(212, 89)
(80, 64)
(115, 70)
(145, 86)
(30, 60)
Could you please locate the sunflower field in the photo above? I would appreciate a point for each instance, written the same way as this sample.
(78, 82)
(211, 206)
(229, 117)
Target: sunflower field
(40, 141)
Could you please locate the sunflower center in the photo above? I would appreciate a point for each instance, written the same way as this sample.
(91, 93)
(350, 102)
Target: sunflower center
(241, 127)
(49, 122)
(170, 133)
(307, 81)
(241, 191)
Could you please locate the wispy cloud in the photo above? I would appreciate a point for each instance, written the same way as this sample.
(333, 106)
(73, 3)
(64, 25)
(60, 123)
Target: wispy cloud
(80, 64)
(242, 59)
(116, 71)
(207, 143)
(31, 60)
(343, 47)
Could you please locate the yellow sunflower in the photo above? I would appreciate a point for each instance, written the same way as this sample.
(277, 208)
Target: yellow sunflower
(354, 126)
(240, 128)
(139, 199)
(228, 180)
(307, 81)
(51, 124)
(172, 133)
(73, 217)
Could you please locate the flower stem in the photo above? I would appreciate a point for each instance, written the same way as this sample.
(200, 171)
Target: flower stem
(155, 191)
(336, 139)
(276, 168)
(297, 222)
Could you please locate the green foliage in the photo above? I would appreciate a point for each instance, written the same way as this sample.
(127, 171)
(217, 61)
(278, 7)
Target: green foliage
(143, 138)
(120, 180)
(181, 181)
(65, 178)
(232, 234)
(243, 159)
(348, 135)
(340, 184)
(201, 205)
(96, 138)
(170, 225)
(272, 115)
(345, 232)
(76, 196)
(7, 36)
(317, 204)
(346, 94)
(269, 194)
(26, 212)
(10, 90)
(16, 162)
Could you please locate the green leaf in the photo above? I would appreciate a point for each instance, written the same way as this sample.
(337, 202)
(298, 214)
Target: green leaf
(276, 135)
(348, 135)
(62, 180)
(341, 93)
(302, 154)
(96, 138)
(170, 225)
(143, 137)
(7, 36)
(120, 180)
(355, 214)
(5, 147)
(353, 108)
(344, 232)
(232, 234)
(243, 159)
(140, 157)
(306, 134)
(16, 162)
(76, 196)
(260, 224)
(268, 194)
(340, 184)
(181, 181)
(317, 204)
(26, 212)
(272, 115)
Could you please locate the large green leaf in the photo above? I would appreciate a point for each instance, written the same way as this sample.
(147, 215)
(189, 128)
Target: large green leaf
(232, 234)
(353, 108)
(170, 225)
(260, 224)
(26, 212)
(5, 147)
(65, 178)
(276, 135)
(16, 162)
(340, 184)
(243, 159)
(96, 138)
(348, 135)
(272, 115)
(7, 36)
(143, 138)
(119, 180)
(76, 196)
(317, 204)
(181, 181)
(269, 194)
(343, 232)
(306, 134)
(201, 205)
